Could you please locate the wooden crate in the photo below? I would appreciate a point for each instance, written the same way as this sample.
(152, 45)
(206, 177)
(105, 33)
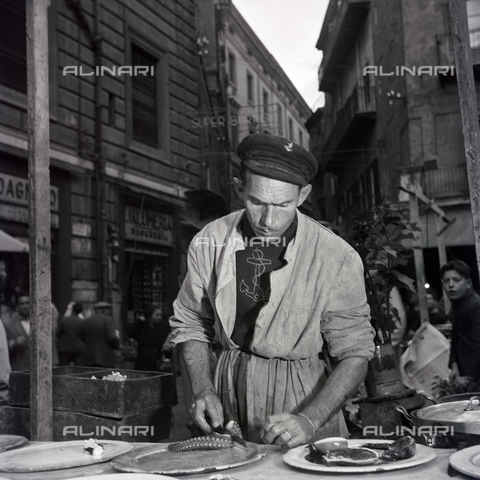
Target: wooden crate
(151, 425)
(74, 390)
(19, 384)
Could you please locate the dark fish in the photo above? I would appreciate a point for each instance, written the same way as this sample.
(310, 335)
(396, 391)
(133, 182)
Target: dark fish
(401, 449)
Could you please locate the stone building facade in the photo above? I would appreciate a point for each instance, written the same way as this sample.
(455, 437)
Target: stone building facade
(148, 100)
(391, 119)
(247, 92)
(123, 155)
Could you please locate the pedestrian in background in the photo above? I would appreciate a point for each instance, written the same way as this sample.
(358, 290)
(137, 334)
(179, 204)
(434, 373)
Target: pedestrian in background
(465, 317)
(436, 315)
(69, 311)
(5, 368)
(151, 330)
(70, 342)
(101, 338)
(17, 328)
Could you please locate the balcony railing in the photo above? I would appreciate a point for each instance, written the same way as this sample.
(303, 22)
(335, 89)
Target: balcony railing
(361, 103)
(446, 182)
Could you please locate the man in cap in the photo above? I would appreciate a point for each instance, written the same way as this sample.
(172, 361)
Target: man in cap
(273, 287)
(100, 338)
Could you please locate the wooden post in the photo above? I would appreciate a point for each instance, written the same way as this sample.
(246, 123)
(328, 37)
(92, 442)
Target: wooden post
(41, 411)
(442, 256)
(468, 109)
(419, 263)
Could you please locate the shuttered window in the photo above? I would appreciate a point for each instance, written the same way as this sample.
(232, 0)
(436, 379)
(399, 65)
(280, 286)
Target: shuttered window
(13, 45)
(144, 100)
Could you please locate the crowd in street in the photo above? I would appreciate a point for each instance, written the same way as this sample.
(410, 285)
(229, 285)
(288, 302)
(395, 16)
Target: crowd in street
(81, 337)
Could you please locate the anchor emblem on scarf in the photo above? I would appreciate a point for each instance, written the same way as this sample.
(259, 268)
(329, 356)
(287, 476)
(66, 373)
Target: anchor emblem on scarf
(256, 293)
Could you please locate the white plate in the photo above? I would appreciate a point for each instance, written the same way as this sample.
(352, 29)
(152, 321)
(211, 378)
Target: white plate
(8, 442)
(158, 459)
(125, 476)
(296, 458)
(467, 461)
(57, 455)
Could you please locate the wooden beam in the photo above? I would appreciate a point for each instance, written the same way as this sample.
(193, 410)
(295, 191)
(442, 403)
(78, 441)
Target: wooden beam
(468, 109)
(428, 202)
(439, 214)
(442, 256)
(419, 263)
(41, 414)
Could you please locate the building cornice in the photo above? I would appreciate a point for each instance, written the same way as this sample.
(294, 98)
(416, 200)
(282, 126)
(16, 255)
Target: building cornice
(61, 159)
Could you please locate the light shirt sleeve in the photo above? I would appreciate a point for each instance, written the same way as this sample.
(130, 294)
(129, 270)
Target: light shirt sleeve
(193, 317)
(346, 319)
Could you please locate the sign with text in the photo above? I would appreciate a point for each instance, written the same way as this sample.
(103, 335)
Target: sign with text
(14, 200)
(148, 226)
(14, 190)
(233, 120)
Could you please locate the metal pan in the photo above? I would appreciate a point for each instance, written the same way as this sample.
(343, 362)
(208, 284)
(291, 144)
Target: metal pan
(432, 428)
(462, 415)
(458, 397)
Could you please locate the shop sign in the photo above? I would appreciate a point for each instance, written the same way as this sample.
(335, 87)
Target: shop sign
(148, 226)
(19, 213)
(230, 120)
(14, 190)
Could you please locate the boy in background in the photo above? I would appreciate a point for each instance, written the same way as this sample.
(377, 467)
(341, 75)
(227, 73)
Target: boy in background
(465, 317)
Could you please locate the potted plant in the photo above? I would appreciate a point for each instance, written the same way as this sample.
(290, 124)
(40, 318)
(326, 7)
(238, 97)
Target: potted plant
(383, 240)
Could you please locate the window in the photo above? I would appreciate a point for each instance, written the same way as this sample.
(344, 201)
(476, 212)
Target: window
(144, 100)
(232, 68)
(300, 137)
(147, 97)
(250, 94)
(265, 105)
(280, 119)
(290, 130)
(13, 52)
(234, 111)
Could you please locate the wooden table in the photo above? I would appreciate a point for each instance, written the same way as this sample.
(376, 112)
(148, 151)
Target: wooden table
(270, 467)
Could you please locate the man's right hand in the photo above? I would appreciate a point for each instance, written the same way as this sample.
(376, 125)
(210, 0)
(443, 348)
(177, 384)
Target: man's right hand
(207, 411)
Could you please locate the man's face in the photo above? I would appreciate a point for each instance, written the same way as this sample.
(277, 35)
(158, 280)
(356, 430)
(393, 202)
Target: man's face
(270, 204)
(156, 317)
(455, 285)
(23, 307)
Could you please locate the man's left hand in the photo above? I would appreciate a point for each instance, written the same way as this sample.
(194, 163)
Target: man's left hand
(286, 430)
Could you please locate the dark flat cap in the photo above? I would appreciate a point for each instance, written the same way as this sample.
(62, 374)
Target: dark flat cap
(278, 158)
(102, 305)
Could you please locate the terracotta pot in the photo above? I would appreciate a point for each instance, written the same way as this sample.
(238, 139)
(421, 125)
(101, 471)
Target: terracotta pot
(383, 376)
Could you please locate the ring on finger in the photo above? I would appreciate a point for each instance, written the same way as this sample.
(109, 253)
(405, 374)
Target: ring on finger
(288, 434)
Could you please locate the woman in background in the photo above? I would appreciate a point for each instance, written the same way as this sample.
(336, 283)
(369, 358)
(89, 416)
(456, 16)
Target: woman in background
(151, 332)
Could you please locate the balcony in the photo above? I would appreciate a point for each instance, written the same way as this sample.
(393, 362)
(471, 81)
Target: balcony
(350, 122)
(343, 20)
(446, 182)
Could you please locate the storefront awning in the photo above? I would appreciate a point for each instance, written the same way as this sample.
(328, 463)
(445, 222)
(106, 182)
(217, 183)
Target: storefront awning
(11, 244)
